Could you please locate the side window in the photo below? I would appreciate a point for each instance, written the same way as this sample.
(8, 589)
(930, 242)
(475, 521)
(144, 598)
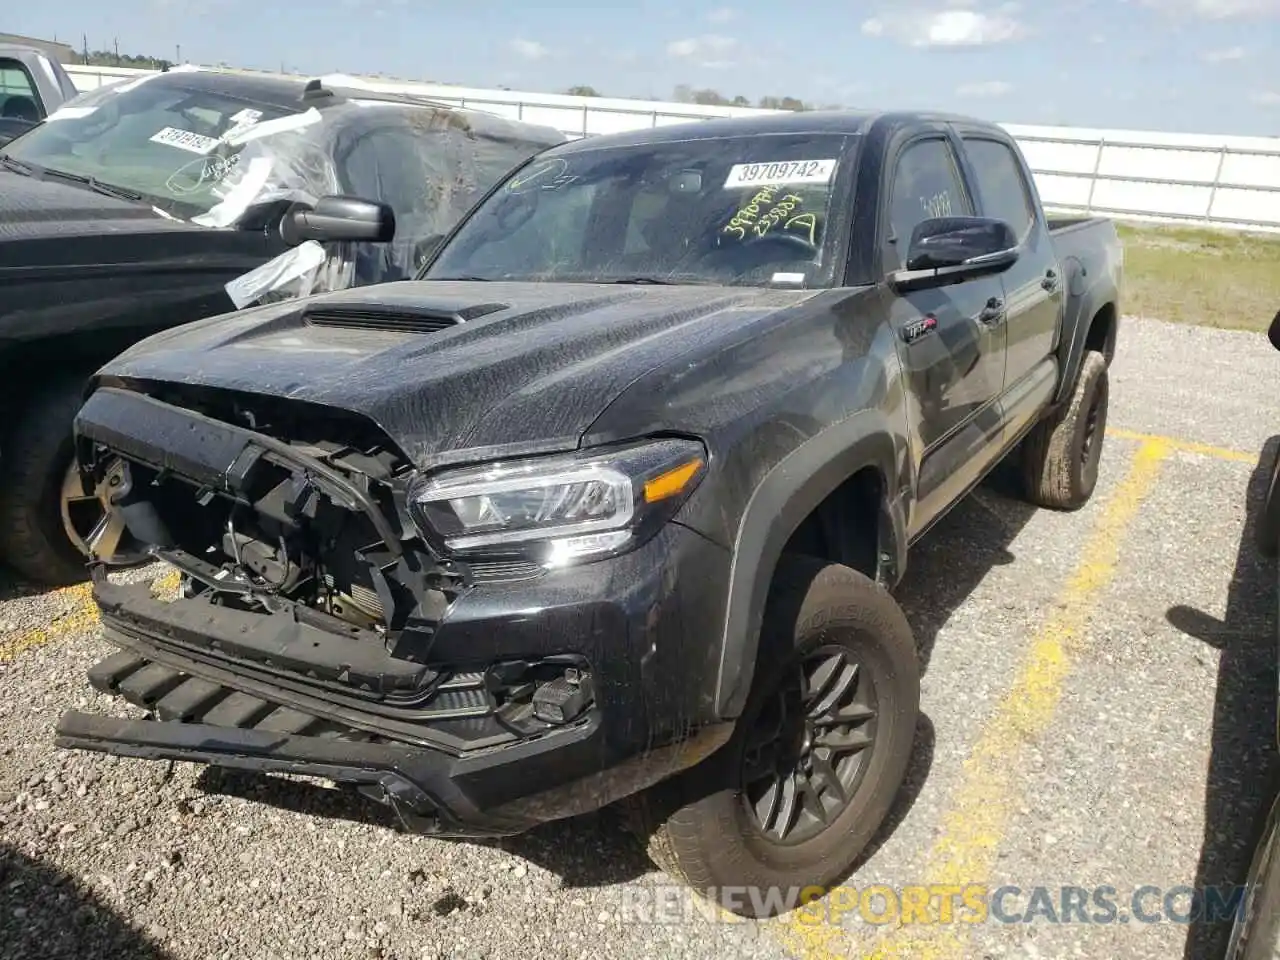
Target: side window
(926, 184)
(18, 100)
(1001, 184)
(377, 168)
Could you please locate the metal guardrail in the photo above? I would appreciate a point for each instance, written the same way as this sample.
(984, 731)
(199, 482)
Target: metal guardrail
(1179, 198)
(1213, 185)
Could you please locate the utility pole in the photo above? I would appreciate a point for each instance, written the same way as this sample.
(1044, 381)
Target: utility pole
(177, 50)
(116, 42)
(84, 37)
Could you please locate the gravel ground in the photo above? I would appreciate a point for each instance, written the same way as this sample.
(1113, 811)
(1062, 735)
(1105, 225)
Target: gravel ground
(1148, 768)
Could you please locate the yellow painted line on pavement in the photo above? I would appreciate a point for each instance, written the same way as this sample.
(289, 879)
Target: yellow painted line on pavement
(82, 617)
(1187, 446)
(987, 796)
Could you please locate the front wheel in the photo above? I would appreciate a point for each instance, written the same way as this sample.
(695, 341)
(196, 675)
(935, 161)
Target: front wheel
(49, 525)
(817, 756)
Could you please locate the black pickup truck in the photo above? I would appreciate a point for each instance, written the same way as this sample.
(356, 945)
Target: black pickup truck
(608, 503)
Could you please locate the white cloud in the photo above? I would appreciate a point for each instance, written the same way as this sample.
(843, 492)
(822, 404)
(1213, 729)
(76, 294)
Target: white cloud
(722, 15)
(1266, 98)
(711, 51)
(984, 88)
(1217, 9)
(529, 49)
(1097, 39)
(1223, 56)
(957, 26)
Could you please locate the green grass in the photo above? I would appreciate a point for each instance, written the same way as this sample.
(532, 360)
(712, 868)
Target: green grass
(1216, 278)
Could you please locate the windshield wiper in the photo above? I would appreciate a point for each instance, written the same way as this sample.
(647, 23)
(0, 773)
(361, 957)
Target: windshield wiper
(95, 185)
(477, 279)
(17, 166)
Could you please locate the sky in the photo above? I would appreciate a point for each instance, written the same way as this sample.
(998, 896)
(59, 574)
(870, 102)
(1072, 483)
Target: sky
(1204, 66)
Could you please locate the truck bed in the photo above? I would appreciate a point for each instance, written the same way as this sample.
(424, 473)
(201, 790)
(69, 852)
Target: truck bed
(1059, 224)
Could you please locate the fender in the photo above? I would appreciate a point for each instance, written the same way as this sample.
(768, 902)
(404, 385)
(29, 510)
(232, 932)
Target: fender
(787, 494)
(1085, 300)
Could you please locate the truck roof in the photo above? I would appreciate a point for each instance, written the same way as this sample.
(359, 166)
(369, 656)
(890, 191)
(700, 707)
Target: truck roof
(284, 92)
(850, 122)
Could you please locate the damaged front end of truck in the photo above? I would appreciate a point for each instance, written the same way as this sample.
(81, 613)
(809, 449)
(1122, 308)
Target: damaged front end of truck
(304, 637)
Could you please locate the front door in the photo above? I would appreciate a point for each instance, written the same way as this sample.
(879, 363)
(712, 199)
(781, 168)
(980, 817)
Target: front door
(951, 339)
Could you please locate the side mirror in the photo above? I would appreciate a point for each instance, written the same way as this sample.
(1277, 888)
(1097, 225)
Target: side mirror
(1273, 333)
(950, 249)
(339, 218)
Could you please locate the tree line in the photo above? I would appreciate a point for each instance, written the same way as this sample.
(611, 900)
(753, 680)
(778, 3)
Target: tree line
(113, 58)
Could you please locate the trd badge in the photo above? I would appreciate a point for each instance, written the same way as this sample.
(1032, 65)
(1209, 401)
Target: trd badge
(916, 329)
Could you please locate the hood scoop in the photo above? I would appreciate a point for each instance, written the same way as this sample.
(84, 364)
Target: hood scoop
(393, 319)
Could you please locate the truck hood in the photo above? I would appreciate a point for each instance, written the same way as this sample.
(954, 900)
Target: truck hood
(528, 369)
(31, 206)
(47, 224)
(72, 259)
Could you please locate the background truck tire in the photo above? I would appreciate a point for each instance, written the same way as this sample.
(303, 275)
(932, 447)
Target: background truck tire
(1061, 454)
(699, 826)
(37, 453)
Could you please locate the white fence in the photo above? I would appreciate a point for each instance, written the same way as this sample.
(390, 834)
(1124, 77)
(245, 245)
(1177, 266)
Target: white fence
(1223, 181)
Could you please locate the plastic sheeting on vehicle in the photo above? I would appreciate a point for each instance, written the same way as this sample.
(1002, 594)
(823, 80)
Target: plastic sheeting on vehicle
(430, 163)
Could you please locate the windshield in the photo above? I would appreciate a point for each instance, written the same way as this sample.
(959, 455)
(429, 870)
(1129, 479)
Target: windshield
(750, 210)
(167, 143)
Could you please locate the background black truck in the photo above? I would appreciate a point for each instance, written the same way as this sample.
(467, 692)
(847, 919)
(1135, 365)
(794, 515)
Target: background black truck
(609, 505)
(185, 194)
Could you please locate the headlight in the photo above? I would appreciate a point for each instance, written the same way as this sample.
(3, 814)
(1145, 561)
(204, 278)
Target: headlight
(558, 509)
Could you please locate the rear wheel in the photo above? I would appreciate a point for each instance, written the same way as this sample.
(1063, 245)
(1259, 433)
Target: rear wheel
(1061, 455)
(48, 522)
(816, 758)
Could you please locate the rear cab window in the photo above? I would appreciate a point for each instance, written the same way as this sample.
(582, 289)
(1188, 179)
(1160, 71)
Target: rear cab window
(1001, 184)
(18, 97)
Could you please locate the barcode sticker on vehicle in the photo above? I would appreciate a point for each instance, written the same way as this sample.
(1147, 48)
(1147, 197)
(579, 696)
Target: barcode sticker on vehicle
(185, 140)
(781, 172)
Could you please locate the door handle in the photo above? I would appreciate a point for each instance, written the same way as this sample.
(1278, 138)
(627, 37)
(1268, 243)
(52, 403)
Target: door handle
(1050, 281)
(993, 313)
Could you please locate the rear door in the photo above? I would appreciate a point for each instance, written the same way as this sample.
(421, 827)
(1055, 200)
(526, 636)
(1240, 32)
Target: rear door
(950, 339)
(1033, 291)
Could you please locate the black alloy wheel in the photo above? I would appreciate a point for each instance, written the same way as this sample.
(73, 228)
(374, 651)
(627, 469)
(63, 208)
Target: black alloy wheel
(809, 746)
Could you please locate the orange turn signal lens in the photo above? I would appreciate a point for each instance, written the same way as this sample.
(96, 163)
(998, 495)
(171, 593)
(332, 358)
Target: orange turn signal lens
(672, 482)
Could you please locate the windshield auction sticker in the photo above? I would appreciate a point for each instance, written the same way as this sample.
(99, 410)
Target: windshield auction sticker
(184, 140)
(780, 173)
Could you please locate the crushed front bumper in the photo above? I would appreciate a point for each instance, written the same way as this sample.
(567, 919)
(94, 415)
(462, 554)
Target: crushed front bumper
(484, 794)
(273, 698)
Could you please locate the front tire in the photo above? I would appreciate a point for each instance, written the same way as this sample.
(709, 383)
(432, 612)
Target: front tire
(1061, 455)
(817, 756)
(48, 523)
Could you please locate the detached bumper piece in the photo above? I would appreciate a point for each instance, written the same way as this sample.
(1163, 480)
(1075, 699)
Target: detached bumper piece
(202, 721)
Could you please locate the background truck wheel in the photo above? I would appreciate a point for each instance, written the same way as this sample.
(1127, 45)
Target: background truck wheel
(46, 520)
(816, 758)
(1061, 454)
